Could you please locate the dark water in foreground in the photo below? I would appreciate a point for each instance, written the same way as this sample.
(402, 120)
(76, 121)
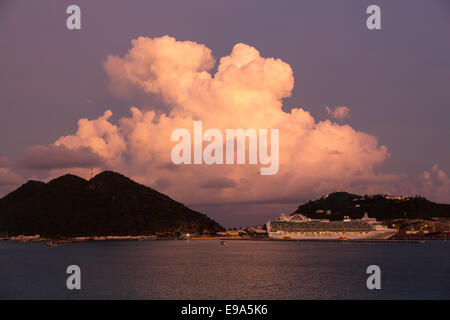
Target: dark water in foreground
(241, 270)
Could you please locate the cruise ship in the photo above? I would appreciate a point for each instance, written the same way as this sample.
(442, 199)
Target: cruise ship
(299, 227)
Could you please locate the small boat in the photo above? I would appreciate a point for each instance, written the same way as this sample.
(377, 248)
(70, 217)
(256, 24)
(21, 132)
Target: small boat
(51, 244)
(342, 238)
(223, 243)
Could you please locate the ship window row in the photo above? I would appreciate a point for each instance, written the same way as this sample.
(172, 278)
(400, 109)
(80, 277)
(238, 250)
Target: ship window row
(318, 226)
(319, 232)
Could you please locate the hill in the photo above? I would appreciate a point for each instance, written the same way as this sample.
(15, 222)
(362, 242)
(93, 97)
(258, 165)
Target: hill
(108, 204)
(336, 205)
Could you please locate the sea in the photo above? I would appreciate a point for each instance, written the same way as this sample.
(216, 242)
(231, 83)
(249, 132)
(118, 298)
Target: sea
(205, 269)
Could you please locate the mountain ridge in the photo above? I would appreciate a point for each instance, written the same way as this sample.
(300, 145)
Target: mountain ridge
(107, 204)
(336, 205)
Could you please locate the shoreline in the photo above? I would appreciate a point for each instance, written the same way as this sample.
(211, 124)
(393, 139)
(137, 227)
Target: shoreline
(155, 238)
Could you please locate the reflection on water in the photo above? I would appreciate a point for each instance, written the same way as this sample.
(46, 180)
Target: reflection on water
(239, 270)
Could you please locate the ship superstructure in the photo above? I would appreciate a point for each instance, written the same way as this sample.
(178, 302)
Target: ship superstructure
(299, 227)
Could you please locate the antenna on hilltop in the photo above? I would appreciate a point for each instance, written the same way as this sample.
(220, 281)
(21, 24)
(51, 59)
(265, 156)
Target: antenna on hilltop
(92, 174)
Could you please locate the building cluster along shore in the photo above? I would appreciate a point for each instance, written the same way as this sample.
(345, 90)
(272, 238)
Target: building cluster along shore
(294, 227)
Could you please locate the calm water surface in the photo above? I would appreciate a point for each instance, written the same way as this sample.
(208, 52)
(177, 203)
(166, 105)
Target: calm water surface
(240, 270)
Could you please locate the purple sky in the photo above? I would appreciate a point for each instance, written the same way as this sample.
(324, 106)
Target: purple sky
(395, 81)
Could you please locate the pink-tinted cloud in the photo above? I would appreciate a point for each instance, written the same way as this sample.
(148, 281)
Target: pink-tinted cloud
(245, 92)
(436, 184)
(339, 113)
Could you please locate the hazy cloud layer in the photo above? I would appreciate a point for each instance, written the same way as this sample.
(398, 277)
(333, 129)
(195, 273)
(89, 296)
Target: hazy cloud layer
(4, 162)
(60, 157)
(218, 183)
(9, 178)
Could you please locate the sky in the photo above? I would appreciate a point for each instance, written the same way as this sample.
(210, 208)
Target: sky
(359, 110)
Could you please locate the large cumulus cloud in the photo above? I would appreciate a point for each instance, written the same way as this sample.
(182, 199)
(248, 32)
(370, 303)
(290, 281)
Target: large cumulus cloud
(245, 92)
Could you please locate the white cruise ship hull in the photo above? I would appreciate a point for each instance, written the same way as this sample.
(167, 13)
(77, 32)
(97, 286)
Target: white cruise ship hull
(299, 227)
(370, 235)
